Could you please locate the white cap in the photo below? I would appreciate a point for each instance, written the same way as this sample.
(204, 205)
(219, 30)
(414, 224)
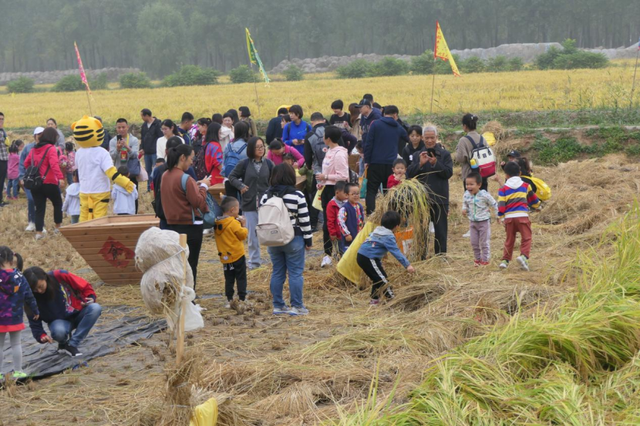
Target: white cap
(38, 130)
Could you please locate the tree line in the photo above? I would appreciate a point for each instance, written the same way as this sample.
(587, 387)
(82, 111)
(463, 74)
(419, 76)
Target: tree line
(159, 36)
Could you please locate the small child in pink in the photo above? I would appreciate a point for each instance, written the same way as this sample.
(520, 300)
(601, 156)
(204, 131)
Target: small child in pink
(13, 170)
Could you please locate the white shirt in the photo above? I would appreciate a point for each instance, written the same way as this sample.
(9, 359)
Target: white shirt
(92, 164)
(161, 146)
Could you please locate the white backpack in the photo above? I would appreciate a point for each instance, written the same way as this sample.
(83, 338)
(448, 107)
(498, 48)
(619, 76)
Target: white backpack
(274, 227)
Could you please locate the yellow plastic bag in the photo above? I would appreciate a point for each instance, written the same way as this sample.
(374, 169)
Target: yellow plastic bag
(205, 414)
(317, 201)
(348, 265)
(490, 138)
(543, 190)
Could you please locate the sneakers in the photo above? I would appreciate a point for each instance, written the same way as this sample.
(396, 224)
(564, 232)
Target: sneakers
(326, 261)
(228, 304)
(298, 311)
(476, 263)
(485, 263)
(19, 375)
(31, 227)
(282, 311)
(374, 302)
(39, 237)
(524, 262)
(389, 294)
(467, 235)
(56, 231)
(504, 264)
(70, 350)
(432, 229)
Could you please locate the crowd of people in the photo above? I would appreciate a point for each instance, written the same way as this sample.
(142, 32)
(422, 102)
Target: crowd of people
(180, 162)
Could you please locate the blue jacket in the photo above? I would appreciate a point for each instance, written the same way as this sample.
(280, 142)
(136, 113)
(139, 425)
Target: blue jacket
(291, 132)
(365, 123)
(274, 129)
(14, 293)
(381, 145)
(23, 156)
(379, 242)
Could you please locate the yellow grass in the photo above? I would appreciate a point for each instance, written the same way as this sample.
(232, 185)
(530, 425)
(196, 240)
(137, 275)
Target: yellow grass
(518, 91)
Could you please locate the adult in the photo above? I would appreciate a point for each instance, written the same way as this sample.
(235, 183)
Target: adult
(289, 259)
(169, 129)
(234, 114)
(274, 128)
(293, 133)
(368, 115)
(380, 151)
(45, 157)
(53, 123)
(150, 132)
(183, 212)
(4, 158)
(107, 136)
(186, 123)
(226, 131)
(124, 149)
(277, 150)
(415, 146)
(245, 115)
(31, 206)
(339, 117)
(217, 118)
(213, 160)
(198, 140)
(239, 148)
(314, 162)
(433, 167)
(335, 167)
(66, 303)
(251, 177)
(465, 147)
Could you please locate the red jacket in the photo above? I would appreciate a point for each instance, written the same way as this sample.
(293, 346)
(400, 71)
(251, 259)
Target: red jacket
(54, 174)
(392, 181)
(332, 218)
(212, 161)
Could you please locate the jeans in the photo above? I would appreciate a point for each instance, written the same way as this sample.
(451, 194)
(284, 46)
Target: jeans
(12, 188)
(69, 178)
(82, 323)
(40, 196)
(288, 258)
(75, 218)
(31, 206)
(252, 239)
(149, 162)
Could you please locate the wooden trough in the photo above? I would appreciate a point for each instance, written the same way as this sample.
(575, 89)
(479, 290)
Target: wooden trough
(108, 245)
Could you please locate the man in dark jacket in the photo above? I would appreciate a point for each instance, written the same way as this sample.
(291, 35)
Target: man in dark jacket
(433, 167)
(380, 151)
(368, 115)
(150, 132)
(274, 129)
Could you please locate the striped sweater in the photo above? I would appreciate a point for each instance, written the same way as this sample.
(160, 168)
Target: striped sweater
(515, 199)
(298, 211)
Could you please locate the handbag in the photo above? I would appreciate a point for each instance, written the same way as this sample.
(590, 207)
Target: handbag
(143, 176)
(133, 164)
(317, 200)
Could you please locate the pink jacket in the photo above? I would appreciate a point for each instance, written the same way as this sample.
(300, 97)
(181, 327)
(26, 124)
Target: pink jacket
(336, 165)
(277, 159)
(13, 167)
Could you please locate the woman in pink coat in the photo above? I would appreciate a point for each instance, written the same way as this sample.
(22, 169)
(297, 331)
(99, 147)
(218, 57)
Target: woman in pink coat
(277, 150)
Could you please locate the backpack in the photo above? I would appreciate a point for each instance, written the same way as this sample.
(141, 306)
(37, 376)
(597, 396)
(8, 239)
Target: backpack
(543, 191)
(482, 158)
(209, 218)
(274, 227)
(32, 178)
(199, 163)
(231, 158)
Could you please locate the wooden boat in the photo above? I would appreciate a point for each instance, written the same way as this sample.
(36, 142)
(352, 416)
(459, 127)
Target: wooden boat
(108, 245)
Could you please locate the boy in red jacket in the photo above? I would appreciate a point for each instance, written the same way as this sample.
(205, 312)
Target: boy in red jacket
(333, 209)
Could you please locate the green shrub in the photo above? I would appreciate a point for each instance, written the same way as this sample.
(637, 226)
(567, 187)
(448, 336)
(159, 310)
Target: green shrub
(389, 66)
(472, 65)
(242, 74)
(293, 73)
(515, 64)
(498, 64)
(545, 61)
(21, 85)
(192, 75)
(422, 64)
(69, 83)
(100, 82)
(570, 58)
(135, 80)
(356, 69)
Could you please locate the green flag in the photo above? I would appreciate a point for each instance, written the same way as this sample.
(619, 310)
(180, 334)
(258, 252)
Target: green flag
(254, 58)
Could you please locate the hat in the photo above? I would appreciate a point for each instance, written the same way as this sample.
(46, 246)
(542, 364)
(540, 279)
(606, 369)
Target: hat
(38, 130)
(364, 102)
(514, 154)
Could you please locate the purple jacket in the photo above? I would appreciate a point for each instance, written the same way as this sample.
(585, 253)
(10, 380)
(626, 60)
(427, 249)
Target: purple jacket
(14, 293)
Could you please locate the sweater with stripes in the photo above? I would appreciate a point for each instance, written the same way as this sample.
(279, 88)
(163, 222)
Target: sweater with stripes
(298, 210)
(515, 199)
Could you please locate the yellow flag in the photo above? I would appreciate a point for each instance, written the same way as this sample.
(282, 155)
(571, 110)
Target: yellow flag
(441, 50)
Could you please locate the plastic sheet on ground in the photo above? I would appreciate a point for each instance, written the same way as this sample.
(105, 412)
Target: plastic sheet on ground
(118, 326)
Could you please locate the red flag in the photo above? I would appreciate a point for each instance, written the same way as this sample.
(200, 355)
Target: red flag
(83, 76)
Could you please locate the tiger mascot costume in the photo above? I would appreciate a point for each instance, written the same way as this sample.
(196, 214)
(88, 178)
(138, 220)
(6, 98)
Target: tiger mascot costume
(95, 169)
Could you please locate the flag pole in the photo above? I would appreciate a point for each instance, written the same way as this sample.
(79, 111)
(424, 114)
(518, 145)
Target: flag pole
(88, 101)
(255, 86)
(433, 85)
(635, 72)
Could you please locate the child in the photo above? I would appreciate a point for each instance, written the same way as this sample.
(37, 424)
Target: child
(71, 204)
(333, 210)
(14, 293)
(13, 170)
(70, 150)
(476, 206)
(155, 171)
(374, 248)
(415, 146)
(289, 159)
(515, 199)
(339, 118)
(124, 203)
(230, 232)
(351, 215)
(399, 173)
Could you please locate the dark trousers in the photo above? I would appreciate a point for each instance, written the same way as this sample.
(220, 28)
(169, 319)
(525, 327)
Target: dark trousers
(3, 176)
(231, 191)
(377, 174)
(439, 217)
(313, 212)
(485, 184)
(134, 179)
(40, 196)
(235, 272)
(194, 241)
(328, 193)
(376, 273)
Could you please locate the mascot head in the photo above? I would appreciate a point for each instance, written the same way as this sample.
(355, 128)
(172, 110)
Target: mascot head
(88, 132)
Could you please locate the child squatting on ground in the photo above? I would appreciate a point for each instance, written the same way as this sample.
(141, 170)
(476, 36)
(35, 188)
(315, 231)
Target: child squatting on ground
(515, 199)
(476, 206)
(14, 294)
(381, 241)
(230, 233)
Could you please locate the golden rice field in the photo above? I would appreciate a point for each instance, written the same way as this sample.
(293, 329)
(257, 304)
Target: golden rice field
(516, 91)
